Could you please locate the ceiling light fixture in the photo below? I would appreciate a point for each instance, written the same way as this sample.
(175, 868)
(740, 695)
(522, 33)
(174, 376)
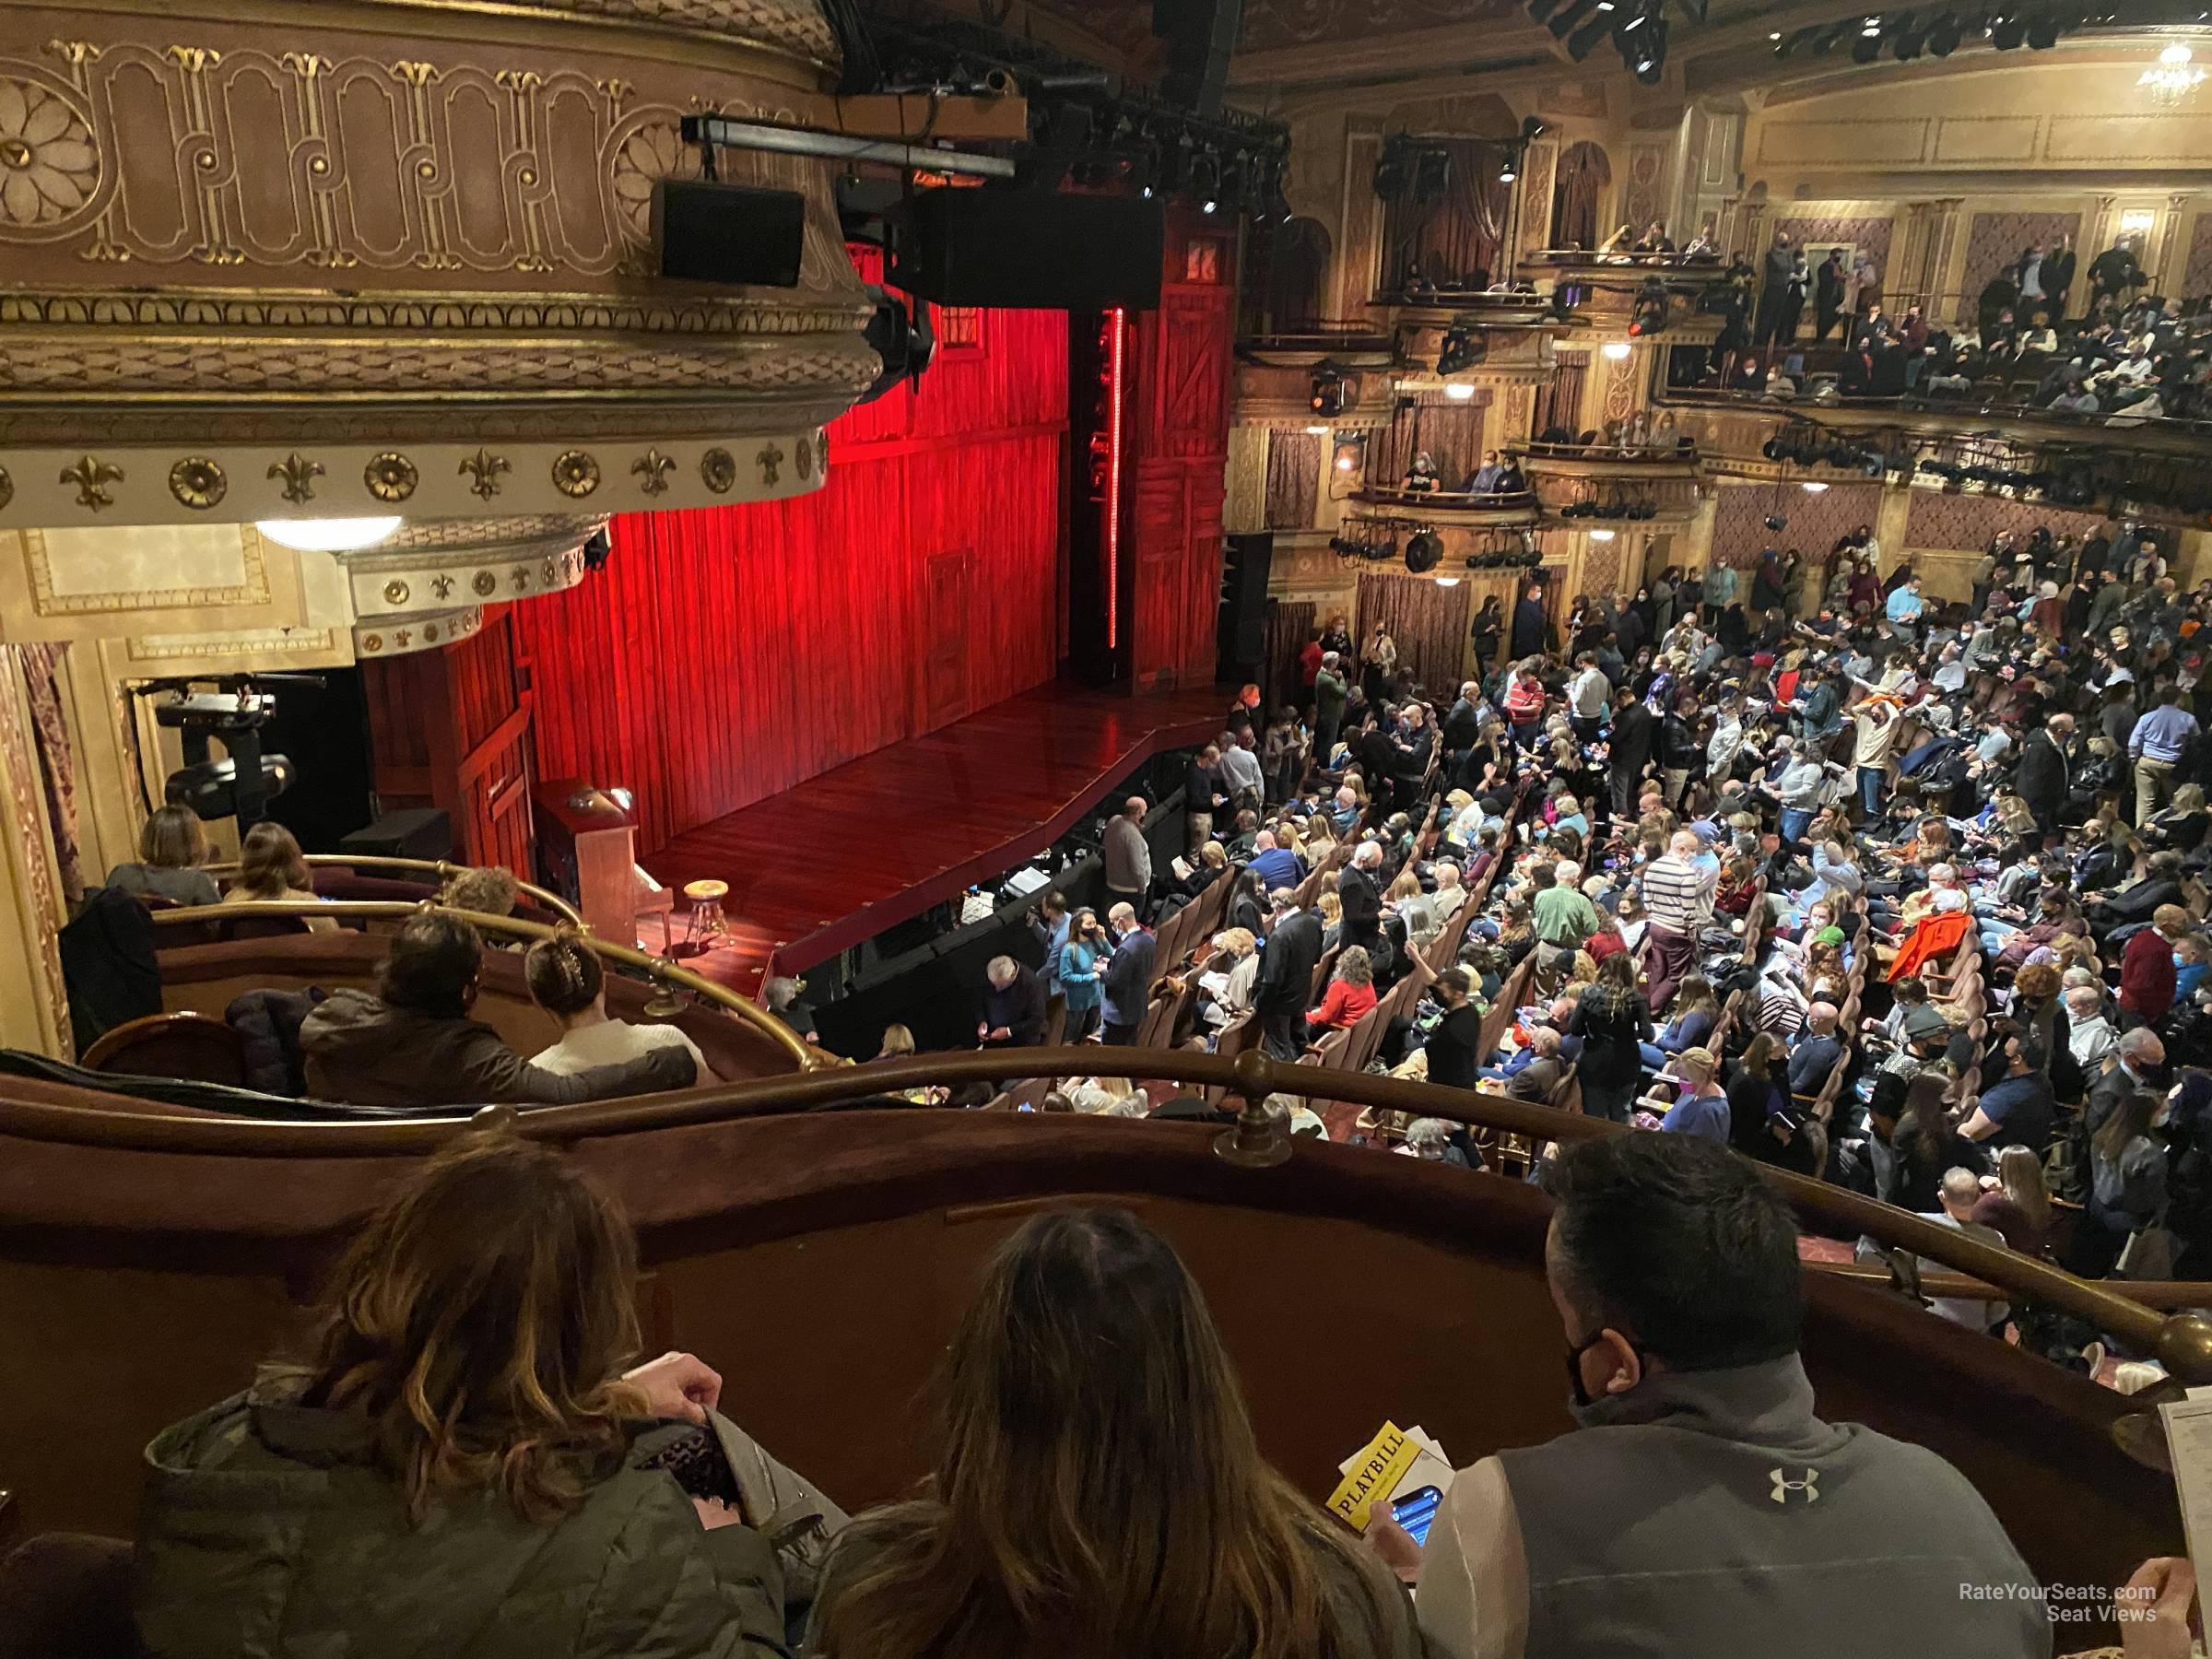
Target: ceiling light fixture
(328, 535)
(2172, 78)
(1460, 392)
(1616, 349)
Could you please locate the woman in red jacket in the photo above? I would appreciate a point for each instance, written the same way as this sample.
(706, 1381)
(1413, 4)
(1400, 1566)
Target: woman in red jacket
(2147, 967)
(1351, 994)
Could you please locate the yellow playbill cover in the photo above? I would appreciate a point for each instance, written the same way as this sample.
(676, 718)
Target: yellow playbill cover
(1372, 1474)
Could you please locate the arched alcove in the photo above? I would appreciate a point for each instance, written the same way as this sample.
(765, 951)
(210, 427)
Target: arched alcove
(1583, 174)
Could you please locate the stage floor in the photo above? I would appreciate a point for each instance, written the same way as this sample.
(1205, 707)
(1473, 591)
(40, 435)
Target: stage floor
(818, 868)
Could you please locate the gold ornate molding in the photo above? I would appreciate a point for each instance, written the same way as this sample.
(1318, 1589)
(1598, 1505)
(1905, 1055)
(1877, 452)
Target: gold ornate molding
(342, 232)
(423, 483)
(431, 631)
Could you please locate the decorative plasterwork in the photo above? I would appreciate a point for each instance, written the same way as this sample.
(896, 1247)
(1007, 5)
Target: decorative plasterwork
(404, 636)
(427, 571)
(246, 647)
(418, 238)
(792, 26)
(219, 483)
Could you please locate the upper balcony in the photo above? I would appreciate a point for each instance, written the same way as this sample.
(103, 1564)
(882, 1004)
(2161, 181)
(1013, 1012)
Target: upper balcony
(1454, 509)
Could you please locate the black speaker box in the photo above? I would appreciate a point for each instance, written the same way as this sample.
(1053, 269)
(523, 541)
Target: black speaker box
(411, 832)
(1201, 34)
(1031, 250)
(1241, 634)
(728, 233)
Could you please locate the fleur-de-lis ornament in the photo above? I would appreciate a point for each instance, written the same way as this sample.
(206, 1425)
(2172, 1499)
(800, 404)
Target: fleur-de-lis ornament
(484, 469)
(654, 467)
(299, 474)
(93, 476)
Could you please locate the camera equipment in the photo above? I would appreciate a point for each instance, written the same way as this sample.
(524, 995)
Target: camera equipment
(234, 713)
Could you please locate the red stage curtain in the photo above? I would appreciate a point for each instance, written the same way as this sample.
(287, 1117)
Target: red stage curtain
(723, 655)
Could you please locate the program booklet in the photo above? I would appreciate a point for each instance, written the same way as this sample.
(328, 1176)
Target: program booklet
(1396, 1460)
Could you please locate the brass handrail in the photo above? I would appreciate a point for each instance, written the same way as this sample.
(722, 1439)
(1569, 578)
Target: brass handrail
(658, 968)
(442, 868)
(2182, 1341)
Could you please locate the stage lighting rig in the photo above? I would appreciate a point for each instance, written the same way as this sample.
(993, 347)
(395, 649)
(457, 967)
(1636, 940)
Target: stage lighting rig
(1462, 349)
(1424, 551)
(230, 709)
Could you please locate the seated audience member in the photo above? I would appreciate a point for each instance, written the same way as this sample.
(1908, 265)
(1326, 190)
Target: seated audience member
(1958, 1194)
(1927, 1143)
(412, 1044)
(1544, 1071)
(567, 982)
(271, 869)
(461, 1464)
(171, 848)
(2019, 1103)
(1816, 1051)
(1675, 1270)
(782, 995)
(1701, 1107)
(1013, 1006)
(1695, 1010)
(2127, 1185)
(1022, 1545)
(2016, 1202)
(1351, 994)
(488, 890)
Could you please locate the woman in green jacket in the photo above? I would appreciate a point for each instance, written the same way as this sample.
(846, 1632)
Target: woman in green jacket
(458, 1468)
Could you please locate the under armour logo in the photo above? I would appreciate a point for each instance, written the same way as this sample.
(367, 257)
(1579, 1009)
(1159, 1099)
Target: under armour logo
(1808, 1486)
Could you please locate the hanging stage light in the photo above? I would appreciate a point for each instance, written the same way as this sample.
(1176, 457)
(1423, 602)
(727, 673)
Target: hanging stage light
(1424, 551)
(1462, 349)
(1943, 39)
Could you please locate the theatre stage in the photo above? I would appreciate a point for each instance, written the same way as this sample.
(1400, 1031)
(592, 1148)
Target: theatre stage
(840, 858)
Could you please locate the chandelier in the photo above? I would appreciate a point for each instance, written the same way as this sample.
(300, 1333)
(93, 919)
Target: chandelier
(2172, 78)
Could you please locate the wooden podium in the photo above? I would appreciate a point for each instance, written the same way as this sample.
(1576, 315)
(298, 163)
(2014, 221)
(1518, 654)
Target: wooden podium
(589, 845)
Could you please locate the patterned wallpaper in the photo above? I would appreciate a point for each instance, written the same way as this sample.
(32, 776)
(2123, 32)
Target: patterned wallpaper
(1870, 233)
(2196, 276)
(1739, 530)
(1640, 198)
(1601, 567)
(1968, 523)
(1999, 238)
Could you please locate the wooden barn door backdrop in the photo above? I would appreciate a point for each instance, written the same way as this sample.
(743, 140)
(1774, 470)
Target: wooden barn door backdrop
(450, 728)
(1178, 458)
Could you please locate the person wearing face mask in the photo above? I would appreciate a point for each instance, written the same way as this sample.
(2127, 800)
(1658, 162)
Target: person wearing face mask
(1700, 1494)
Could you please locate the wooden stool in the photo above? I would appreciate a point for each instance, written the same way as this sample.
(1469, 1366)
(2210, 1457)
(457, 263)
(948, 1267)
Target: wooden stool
(706, 924)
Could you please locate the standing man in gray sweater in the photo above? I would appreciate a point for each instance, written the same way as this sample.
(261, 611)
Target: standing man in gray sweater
(1701, 1507)
(1127, 857)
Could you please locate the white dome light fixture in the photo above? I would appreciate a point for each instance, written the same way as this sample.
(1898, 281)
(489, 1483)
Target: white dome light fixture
(330, 535)
(2173, 76)
(1814, 486)
(1459, 392)
(1616, 349)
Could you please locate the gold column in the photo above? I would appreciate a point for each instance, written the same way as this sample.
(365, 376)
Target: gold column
(34, 1006)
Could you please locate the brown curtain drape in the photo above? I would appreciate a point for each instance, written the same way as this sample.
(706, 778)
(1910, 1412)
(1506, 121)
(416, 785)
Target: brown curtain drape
(41, 667)
(1457, 237)
(1428, 620)
(1450, 431)
(1561, 405)
(1289, 621)
(1584, 170)
(1293, 478)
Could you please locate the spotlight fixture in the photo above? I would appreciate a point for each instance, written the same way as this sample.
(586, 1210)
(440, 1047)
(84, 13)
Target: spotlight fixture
(1462, 349)
(1392, 168)
(1867, 47)
(1565, 19)
(2007, 30)
(2042, 30)
(1508, 170)
(1328, 392)
(1585, 40)
(1776, 522)
(1431, 173)
(1943, 39)
(1424, 551)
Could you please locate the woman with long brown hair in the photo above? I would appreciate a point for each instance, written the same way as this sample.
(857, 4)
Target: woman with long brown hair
(463, 1464)
(271, 868)
(1098, 1490)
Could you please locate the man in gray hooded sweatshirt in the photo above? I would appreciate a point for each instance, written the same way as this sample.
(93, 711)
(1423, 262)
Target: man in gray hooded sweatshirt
(1701, 1507)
